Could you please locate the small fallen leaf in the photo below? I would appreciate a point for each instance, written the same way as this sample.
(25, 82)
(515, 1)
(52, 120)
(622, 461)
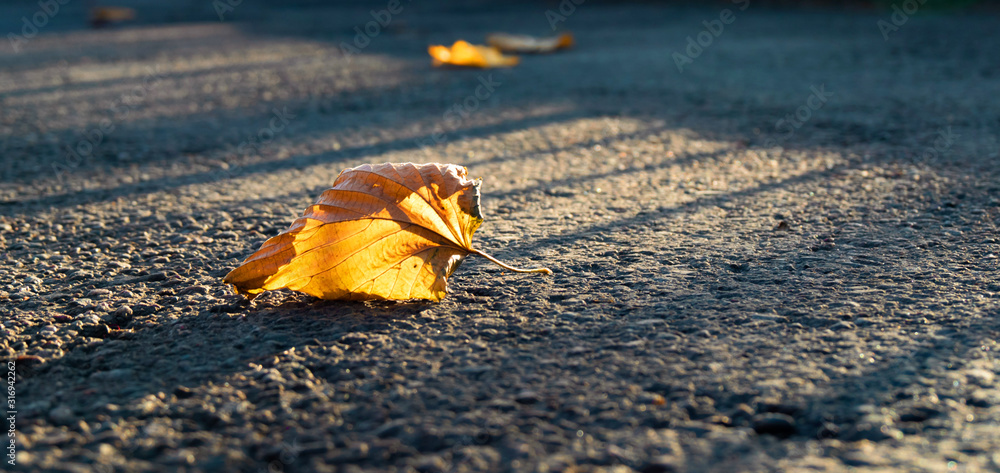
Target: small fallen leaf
(470, 55)
(101, 16)
(515, 43)
(386, 231)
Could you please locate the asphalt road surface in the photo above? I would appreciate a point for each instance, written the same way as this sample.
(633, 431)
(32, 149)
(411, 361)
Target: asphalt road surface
(781, 257)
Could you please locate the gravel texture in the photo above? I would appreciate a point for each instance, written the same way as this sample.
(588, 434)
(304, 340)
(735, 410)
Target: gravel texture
(726, 297)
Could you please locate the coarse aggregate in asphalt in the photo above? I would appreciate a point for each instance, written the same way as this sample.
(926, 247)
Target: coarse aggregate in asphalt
(732, 292)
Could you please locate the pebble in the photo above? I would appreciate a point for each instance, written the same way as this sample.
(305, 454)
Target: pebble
(431, 464)
(107, 451)
(475, 370)
(112, 375)
(527, 397)
(62, 415)
(194, 290)
(83, 302)
(843, 325)
(981, 377)
(664, 464)
(354, 338)
(875, 432)
(122, 315)
(95, 330)
(983, 398)
(778, 425)
(863, 454)
(98, 292)
(919, 413)
(144, 309)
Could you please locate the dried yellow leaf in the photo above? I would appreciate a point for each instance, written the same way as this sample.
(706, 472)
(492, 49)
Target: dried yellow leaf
(387, 231)
(470, 55)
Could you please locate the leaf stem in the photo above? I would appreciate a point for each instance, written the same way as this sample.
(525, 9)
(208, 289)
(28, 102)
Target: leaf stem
(509, 267)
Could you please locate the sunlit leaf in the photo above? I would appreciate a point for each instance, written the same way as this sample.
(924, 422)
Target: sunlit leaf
(387, 231)
(470, 55)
